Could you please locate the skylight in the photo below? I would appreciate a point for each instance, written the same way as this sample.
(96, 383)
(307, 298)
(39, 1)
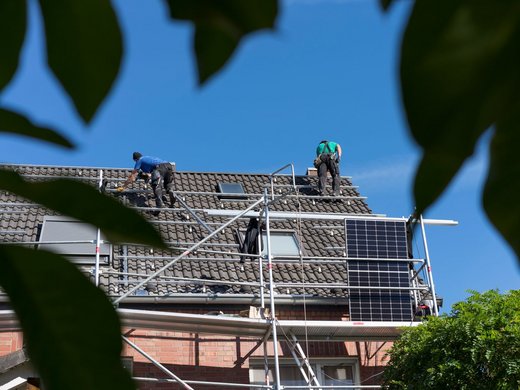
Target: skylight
(231, 190)
(282, 244)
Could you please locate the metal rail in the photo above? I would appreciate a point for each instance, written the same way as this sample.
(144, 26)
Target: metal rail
(185, 253)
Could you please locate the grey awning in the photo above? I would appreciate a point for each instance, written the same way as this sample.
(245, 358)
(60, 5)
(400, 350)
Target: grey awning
(246, 327)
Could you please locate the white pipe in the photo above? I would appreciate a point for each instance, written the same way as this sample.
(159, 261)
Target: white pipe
(98, 239)
(321, 216)
(98, 235)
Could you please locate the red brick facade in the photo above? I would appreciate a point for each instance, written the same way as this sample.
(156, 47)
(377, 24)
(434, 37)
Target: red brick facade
(10, 342)
(218, 359)
(226, 359)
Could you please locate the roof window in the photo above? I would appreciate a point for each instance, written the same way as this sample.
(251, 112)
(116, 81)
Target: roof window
(231, 190)
(283, 243)
(72, 238)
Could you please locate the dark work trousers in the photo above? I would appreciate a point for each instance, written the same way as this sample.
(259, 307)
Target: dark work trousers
(328, 165)
(162, 178)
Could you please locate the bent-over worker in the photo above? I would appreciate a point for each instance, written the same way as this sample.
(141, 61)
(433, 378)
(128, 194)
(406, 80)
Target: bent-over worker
(161, 173)
(328, 156)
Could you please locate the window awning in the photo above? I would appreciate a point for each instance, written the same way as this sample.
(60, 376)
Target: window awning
(256, 327)
(246, 327)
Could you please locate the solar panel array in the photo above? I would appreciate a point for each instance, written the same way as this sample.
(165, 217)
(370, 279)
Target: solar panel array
(376, 239)
(368, 242)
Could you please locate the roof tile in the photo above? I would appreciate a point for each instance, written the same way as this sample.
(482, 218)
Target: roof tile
(218, 259)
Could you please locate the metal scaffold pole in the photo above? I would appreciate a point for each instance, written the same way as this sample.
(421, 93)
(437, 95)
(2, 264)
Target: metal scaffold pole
(98, 235)
(271, 291)
(98, 239)
(429, 269)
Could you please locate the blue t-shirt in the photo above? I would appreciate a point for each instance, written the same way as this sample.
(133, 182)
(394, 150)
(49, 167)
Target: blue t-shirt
(147, 164)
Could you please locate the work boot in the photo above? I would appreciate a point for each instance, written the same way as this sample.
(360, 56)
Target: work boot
(172, 199)
(157, 211)
(159, 205)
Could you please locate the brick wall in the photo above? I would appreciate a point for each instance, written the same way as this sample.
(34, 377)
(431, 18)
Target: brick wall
(223, 358)
(10, 342)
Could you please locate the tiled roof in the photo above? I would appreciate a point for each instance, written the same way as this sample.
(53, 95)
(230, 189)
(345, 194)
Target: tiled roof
(215, 267)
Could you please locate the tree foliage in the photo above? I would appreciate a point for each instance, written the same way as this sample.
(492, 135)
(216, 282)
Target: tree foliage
(476, 347)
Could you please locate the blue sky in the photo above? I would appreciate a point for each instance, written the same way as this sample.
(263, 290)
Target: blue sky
(330, 70)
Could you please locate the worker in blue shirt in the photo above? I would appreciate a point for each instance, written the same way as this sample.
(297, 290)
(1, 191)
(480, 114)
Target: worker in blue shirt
(328, 156)
(160, 172)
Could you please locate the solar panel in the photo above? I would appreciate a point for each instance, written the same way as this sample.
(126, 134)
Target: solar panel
(367, 241)
(376, 239)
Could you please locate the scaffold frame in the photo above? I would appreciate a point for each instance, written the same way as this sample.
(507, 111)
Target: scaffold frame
(262, 329)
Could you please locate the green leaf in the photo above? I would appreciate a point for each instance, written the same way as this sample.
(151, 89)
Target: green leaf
(385, 4)
(213, 48)
(503, 181)
(459, 75)
(220, 25)
(84, 49)
(12, 122)
(13, 15)
(84, 202)
(71, 330)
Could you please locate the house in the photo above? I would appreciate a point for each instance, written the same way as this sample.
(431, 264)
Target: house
(263, 279)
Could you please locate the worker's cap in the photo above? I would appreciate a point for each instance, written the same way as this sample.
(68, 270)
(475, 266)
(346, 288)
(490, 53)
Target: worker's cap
(136, 156)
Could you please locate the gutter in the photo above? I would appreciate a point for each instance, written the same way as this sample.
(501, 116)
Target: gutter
(234, 299)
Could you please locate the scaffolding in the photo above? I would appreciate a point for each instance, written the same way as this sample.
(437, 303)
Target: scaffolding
(266, 328)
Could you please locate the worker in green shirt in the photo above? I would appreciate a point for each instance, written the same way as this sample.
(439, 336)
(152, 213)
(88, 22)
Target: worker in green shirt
(328, 156)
